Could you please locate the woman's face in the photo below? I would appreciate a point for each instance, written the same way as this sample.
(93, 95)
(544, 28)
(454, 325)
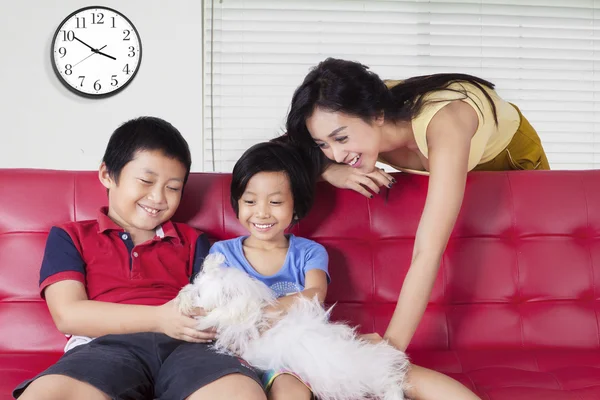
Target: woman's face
(346, 139)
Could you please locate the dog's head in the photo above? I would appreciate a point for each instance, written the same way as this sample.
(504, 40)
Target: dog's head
(233, 300)
(219, 286)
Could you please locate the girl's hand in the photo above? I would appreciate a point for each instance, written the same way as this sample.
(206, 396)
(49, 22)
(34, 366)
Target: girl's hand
(273, 314)
(182, 327)
(345, 177)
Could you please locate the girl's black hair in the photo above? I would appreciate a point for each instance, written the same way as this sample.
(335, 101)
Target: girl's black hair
(349, 87)
(276, 156)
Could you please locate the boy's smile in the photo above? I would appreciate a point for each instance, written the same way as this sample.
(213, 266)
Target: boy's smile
(150, 210)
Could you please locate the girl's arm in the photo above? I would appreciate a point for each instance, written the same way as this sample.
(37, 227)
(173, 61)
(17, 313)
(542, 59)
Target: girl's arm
(449, 136)
(315, 285)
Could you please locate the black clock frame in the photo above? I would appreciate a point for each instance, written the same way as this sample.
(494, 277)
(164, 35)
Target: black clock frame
(71, 88)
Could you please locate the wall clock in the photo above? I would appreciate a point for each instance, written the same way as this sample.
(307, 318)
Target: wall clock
(96, 51)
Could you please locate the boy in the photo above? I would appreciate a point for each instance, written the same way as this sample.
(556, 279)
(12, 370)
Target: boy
(114, 278)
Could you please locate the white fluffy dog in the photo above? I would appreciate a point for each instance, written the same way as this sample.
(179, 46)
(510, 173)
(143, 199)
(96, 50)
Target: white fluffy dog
(329, 356)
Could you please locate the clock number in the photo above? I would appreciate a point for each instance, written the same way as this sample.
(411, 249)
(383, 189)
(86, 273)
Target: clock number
(126, 32)
(126, 69)
(97, 85)
(82, 22)
(114, 81)
(131, 51)
(82, 79)
(113, 18)
(100, 18)
(70, 36)
(62, 51)
(68, 70)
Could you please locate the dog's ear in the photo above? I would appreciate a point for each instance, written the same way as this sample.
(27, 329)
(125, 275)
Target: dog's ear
(213, 262)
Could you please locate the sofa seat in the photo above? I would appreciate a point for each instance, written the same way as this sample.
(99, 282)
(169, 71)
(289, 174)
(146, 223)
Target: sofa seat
(493, 374)
(17, 367)
(511, 374)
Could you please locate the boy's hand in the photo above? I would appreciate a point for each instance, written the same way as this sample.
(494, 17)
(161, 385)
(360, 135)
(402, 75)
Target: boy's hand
(183, 327)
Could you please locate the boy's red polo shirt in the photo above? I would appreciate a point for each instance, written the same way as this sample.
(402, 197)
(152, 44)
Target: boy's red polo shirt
(101, 255)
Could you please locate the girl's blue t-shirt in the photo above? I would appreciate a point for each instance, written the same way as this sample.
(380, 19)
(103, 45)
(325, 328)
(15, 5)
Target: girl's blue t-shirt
(302, 256)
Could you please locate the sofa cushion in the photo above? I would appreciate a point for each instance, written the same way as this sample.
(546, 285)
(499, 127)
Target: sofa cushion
(509, 374)
(18, 367)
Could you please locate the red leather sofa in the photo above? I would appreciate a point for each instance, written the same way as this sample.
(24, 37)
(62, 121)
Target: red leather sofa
(514, 314)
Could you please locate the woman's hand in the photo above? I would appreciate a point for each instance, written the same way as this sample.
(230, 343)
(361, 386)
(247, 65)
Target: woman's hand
(373, 338)
(345, 177)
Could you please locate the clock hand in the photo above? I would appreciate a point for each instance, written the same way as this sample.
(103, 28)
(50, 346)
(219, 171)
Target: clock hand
(93, 49)
(105, 55)
(93, 52)
(81, 41)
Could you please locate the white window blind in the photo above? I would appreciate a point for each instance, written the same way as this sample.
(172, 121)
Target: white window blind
(543, 55)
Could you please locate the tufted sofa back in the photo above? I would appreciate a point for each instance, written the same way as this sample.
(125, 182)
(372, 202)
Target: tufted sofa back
(522, 269)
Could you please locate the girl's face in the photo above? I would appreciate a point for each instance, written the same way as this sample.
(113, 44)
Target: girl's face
(346, 139)
(266, 207)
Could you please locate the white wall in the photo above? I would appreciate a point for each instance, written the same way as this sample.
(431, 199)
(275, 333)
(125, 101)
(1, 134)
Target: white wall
(44, 125)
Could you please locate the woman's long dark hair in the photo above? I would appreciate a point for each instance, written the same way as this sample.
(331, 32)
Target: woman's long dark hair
(349, 87)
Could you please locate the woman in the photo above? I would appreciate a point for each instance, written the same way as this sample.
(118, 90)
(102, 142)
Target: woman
(440, 125)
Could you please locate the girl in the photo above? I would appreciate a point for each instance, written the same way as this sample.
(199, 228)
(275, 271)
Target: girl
(439, 125)
(271, 190)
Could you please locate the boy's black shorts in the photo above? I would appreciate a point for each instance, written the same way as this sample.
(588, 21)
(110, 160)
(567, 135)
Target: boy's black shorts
(143, 365)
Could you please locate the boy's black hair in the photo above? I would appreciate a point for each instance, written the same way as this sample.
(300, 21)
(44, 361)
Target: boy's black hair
(145, 133)
(276, 156)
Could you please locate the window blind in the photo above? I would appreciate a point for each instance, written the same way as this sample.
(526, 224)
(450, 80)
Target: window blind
(543, 55)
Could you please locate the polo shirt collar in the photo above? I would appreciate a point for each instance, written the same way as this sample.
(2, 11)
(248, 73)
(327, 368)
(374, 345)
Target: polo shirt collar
(166, 230)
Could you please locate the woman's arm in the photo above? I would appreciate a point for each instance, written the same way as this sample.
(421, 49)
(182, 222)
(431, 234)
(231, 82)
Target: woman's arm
(448, 136)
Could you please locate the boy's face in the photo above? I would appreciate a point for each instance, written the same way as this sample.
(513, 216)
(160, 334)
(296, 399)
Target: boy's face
(266, 208)
(147, 194)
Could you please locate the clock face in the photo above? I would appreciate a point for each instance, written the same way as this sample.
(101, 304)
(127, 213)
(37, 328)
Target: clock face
(96, 51)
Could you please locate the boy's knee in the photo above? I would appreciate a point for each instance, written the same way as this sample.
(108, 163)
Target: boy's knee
(288, 387)
(50, 387)
(231, 387)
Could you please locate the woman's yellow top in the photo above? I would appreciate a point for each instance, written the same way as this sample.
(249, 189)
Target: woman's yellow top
(488, 141)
